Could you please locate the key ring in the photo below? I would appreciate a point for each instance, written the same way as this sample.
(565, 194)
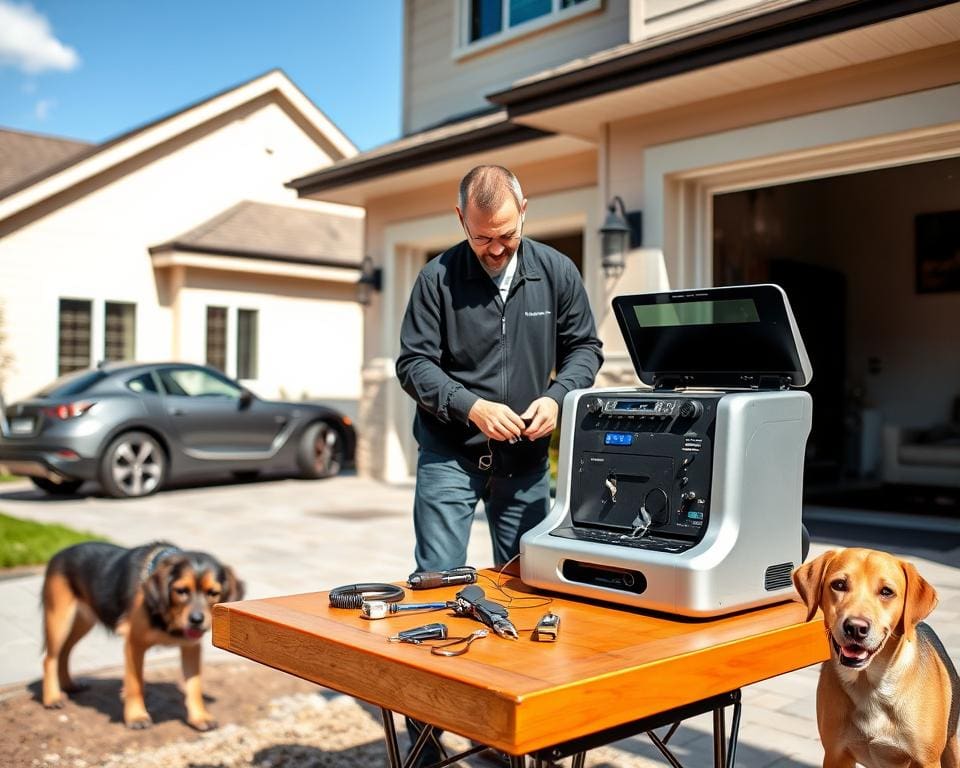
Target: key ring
(439, 648)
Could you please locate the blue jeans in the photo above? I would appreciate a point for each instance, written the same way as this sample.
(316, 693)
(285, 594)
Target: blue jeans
(445, 501)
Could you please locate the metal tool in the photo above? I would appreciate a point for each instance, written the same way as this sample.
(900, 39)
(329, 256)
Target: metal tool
(548, 628)
(377, 609)
(417, 635)
(472, 602)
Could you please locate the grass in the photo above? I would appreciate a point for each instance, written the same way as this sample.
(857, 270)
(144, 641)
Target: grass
(5, 478)
(24, 542)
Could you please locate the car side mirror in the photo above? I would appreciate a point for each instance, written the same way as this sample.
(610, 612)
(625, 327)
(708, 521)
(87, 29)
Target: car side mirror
(246, 398)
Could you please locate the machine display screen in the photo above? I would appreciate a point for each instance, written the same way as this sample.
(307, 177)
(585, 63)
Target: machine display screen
(712, 337)
(697, 313)
(618, 438)
(635, 405)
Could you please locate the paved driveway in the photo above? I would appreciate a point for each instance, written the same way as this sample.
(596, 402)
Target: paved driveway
(282, 537)
(289, 536)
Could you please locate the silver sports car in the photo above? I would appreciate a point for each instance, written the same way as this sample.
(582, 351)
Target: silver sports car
(134, 427)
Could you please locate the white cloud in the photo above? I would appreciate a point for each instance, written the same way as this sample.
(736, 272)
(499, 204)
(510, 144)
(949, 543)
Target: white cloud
(42, 108)
(28, 43)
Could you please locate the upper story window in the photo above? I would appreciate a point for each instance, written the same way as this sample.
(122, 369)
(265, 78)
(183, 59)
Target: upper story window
(491, 21)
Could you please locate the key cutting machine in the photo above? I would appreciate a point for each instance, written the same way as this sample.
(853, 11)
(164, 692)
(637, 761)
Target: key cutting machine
(685, 497)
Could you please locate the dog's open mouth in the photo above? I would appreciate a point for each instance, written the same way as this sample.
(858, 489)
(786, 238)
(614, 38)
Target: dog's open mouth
(853, 655)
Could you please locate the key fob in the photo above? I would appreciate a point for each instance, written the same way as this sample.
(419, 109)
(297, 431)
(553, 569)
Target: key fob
(547, 629)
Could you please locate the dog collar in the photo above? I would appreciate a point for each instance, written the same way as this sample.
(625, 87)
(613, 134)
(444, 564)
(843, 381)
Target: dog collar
(153, 559)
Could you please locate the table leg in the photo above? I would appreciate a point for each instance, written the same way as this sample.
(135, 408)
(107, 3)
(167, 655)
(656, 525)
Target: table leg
(390, 736)
(719, 739)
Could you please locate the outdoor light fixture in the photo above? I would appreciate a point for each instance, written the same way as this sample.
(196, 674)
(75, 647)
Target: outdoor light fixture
(371, 279)
(619, 233)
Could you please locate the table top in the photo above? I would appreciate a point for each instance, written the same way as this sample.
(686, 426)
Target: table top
(610, 665)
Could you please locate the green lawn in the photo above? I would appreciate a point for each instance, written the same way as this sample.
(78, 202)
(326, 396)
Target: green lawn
(24, 542)
(8, 478)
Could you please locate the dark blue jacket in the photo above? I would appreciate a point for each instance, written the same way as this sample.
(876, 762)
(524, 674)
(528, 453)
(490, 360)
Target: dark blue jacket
(459, 344)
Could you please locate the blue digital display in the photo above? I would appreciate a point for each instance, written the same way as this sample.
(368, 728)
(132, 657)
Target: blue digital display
(618, 438)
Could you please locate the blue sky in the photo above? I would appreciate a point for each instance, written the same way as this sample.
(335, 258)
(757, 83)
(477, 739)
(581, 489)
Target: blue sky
(93, 69)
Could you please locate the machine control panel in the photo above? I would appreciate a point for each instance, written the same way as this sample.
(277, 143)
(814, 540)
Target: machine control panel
(642, 470)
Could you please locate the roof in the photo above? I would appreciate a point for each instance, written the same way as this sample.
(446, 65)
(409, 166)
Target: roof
(93, 160)
(471, 134)
(608, 71)
(275, 232)
(25, 155)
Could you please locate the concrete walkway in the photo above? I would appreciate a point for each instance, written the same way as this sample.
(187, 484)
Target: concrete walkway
(291, 536)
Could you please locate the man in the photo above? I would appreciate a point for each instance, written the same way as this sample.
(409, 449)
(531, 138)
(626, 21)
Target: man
(488, 323)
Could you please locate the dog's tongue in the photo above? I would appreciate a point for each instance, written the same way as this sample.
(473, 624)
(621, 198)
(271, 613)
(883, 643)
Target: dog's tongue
(193, 634)
(854, 652)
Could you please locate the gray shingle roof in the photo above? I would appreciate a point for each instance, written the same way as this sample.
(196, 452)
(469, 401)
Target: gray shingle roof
(278, 232)
(23, 155)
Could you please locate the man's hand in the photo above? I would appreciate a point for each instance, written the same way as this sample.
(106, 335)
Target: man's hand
(542, 414)
(496, 420)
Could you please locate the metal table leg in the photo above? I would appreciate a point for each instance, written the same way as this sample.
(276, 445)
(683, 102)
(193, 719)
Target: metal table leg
(390, 736)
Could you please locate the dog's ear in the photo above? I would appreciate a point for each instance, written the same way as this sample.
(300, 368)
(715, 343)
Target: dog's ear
(156, 589)
(232, 587)
(808, 579)
(918, 601)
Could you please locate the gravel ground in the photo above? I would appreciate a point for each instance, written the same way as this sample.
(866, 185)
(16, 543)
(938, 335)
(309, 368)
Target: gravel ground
(267, 720)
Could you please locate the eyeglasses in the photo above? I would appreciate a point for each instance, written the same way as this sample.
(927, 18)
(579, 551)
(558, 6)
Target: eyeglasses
(505, 240)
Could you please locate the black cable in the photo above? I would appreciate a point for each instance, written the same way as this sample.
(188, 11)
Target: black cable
(353, 595)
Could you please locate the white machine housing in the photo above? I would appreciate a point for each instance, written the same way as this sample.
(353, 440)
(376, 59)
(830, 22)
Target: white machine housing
(685, 498)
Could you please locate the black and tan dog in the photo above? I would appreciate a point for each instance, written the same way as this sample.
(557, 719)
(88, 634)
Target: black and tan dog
(156, 594)
(889, 695)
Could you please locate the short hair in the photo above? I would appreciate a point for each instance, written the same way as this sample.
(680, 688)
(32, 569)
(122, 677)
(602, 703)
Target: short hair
(486, 186)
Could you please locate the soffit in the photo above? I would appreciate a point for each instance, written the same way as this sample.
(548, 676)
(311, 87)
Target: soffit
(900, 37)
(450, 171)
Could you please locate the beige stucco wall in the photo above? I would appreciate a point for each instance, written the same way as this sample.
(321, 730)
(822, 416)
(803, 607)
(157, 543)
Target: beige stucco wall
(92, 244)
(439, 84)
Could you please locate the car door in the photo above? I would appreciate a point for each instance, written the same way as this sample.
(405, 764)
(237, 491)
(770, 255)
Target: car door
(213, 419)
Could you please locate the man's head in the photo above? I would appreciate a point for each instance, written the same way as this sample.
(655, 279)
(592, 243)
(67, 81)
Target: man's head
(491, 209)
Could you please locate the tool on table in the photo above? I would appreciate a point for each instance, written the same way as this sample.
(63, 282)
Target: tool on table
(429, 579)
(548, 628)
(472, 602)
(417, 635)
(378, 609)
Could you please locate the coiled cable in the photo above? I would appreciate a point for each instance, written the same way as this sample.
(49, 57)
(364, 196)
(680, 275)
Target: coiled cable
(353, 595)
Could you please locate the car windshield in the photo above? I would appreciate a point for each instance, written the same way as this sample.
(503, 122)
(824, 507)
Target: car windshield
(73, 383)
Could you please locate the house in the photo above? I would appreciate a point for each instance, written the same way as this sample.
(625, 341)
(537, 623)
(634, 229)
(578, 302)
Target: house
(800, 142)
(178, 240)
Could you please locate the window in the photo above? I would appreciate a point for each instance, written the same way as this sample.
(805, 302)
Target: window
(217, 338)
(120, 331)
(73, 345)
(143, 383)
(196, 382)
(247, 344)
(490, 18)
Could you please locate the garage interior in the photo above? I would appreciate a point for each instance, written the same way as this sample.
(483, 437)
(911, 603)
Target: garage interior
(871, 263)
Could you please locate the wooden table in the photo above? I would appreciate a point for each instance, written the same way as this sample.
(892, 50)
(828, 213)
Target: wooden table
(612, 672)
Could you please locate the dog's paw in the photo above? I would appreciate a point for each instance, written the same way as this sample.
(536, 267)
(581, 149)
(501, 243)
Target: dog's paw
(205, 723)
(139, 723)
(74, 687)
(54, 703)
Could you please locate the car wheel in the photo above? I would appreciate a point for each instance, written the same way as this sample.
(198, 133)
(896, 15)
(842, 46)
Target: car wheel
(321, 451)
(133, 465)
(63, 488)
